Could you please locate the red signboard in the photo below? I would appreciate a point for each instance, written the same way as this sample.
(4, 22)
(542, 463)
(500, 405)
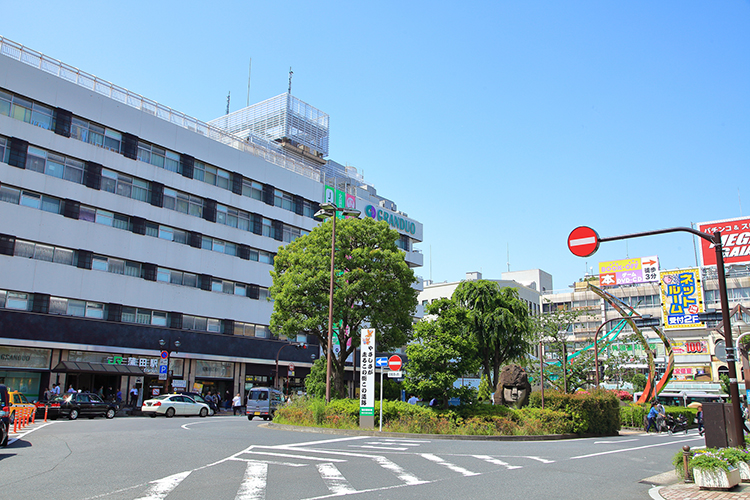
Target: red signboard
(394, 363)
(735, 241)
(583, 241)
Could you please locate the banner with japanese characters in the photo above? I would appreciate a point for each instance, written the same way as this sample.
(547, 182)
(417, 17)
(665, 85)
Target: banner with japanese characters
(367, 377)
(681, 298)
(629, 271)
(735, 241)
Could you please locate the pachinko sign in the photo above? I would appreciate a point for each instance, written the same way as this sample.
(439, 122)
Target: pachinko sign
(681, 298)
(689, 347)
(393, 220)
(735, 241)
(629, 271)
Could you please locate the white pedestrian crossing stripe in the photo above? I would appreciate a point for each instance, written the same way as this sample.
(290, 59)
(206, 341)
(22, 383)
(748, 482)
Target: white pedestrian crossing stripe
(253, 485)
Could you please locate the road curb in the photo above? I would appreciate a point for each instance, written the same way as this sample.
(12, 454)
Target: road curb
(357, 432)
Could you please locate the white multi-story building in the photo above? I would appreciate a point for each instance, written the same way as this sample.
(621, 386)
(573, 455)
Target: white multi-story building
(130, 228)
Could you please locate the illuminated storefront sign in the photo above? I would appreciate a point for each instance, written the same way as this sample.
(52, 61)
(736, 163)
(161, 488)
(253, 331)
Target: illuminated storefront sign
(629, 271)
(735, 241)
(681, 298)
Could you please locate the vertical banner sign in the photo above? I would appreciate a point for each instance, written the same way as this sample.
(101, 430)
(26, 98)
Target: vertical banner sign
(367, 379)
(681, 298)
(338, 198)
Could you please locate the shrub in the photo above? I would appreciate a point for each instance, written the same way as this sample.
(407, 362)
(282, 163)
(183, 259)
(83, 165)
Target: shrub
(597, 412)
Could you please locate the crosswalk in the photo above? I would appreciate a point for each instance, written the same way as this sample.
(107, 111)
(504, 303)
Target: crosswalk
(258, 472)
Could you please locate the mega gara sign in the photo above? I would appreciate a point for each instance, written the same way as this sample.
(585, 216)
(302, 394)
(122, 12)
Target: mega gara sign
(735, 241)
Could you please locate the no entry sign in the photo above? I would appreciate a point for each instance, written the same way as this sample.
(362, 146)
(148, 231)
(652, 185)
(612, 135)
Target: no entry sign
(394, 363)
(583, 241)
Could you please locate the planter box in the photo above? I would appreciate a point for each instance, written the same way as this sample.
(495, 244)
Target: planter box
(744, 472)
(716, 479)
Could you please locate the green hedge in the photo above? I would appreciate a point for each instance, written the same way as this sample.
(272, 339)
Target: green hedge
(596, 412)
(633, 414)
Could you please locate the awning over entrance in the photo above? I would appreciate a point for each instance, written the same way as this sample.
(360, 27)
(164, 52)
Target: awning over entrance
(81, 367)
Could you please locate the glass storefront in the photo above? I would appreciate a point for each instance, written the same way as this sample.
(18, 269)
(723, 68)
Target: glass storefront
(16, 365)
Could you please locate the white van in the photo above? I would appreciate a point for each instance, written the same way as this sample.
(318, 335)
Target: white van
(263, 402)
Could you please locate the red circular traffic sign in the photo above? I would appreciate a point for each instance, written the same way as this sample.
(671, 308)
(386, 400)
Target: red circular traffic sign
(583, 241)
(164, 355)
(394, 363)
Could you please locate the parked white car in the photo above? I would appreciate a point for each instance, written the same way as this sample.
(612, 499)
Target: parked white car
(170, 405)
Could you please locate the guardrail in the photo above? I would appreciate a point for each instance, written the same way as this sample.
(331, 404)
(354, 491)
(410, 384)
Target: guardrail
(253, 145)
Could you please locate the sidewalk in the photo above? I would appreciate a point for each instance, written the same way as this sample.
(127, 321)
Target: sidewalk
(689, 491)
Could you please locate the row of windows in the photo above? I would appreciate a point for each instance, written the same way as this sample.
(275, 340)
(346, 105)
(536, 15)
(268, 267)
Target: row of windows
(39, 251)
(97, 215)
(742, 293)
(97, 310)
(54, 164)
(29, 111)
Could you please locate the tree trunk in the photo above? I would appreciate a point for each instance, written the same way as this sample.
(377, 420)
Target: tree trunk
(565, 367)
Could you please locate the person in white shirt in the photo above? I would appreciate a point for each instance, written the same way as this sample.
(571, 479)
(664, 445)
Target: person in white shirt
(237, 404)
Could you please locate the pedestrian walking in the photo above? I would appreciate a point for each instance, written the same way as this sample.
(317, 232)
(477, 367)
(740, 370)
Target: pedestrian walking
(133, 396)
(70, 389)
(652, 414)
(237, 404)
(57, 389)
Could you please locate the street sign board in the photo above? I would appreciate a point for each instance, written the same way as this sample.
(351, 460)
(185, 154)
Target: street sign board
(394, 363)
(381, 362)
(367, 379)
(164, 355)
(163, 370)
(629, 271)
(395, 374)
(583, 241)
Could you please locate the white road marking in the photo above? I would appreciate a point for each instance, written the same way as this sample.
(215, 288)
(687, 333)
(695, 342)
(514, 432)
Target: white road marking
(253, 485)
(269, 462)
(163, 487)
(388, 448)
(615, 442)
(325, 441)
(404, 441)
(288, 455)
(335, 480)
(539, 459)
(21, 435)
(636, 448)
(398, 471)
(453, 467)
(496, 461)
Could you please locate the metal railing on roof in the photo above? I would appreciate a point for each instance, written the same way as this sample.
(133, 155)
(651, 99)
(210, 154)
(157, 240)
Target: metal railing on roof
(254, 146)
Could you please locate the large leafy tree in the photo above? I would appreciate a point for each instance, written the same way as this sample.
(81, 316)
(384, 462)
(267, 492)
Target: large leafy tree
(373, 288)
(440, 352)
(499, 321)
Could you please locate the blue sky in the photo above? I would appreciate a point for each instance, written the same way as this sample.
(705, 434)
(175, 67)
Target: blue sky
(499, 125)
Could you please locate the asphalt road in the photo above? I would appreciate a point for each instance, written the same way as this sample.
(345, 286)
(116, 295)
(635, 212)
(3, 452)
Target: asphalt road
(232, 458)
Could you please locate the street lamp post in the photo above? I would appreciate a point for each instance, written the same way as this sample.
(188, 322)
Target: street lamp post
(330, 210)
(293, 344)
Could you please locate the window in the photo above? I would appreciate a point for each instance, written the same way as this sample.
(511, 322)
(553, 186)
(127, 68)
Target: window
(94, 310)
(267, 228)
(159, 157)
(99, 263)
(212, 175)
(307, 209)
(25, 110)
(3, 142)
(265, 257)
(58, 305)
(76, 308)
(126, 186)
(183, 202)
(9, 194)
(17, 300)
(163, 275)
(97, 135)
(214, 325)
(252, 189)
(159, 318)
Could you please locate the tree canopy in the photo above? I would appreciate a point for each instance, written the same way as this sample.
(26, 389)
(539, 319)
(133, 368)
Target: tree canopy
(440, 353)
(373, 288)
(499, 321)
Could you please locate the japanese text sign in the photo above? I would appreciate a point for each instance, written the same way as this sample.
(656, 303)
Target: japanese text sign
(681, 298)
(367, 377)
(629, 271)
(735, 241)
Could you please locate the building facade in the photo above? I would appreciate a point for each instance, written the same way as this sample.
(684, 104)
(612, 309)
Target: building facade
(130, 228)
(698, 350)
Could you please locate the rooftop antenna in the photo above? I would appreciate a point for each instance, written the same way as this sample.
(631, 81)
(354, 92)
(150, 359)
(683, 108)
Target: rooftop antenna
(290, 80)
(249, 72)
(228, 96)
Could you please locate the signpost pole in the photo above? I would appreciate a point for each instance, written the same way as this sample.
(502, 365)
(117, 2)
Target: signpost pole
(381, 398)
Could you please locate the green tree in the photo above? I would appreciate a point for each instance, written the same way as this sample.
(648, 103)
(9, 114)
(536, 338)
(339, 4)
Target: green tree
(373, 288)
(498, 320)
(440, 353)
(552, 328)
(315, 382)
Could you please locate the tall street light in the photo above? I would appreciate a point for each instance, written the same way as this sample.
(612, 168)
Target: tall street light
(330, 210)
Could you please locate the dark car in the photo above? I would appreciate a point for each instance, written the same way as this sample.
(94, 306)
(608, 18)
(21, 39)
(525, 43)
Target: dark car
(85, 404)
(4, 415)
(49, 406)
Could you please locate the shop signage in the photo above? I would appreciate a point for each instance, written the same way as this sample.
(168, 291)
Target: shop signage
(214, 369)
(689, 347)
(393, 220)
(735, 241)
(367, 378)
(339, 198)
(179, 384)
(681, 298)
(689, 372)
(24, 357)
(629, 271)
